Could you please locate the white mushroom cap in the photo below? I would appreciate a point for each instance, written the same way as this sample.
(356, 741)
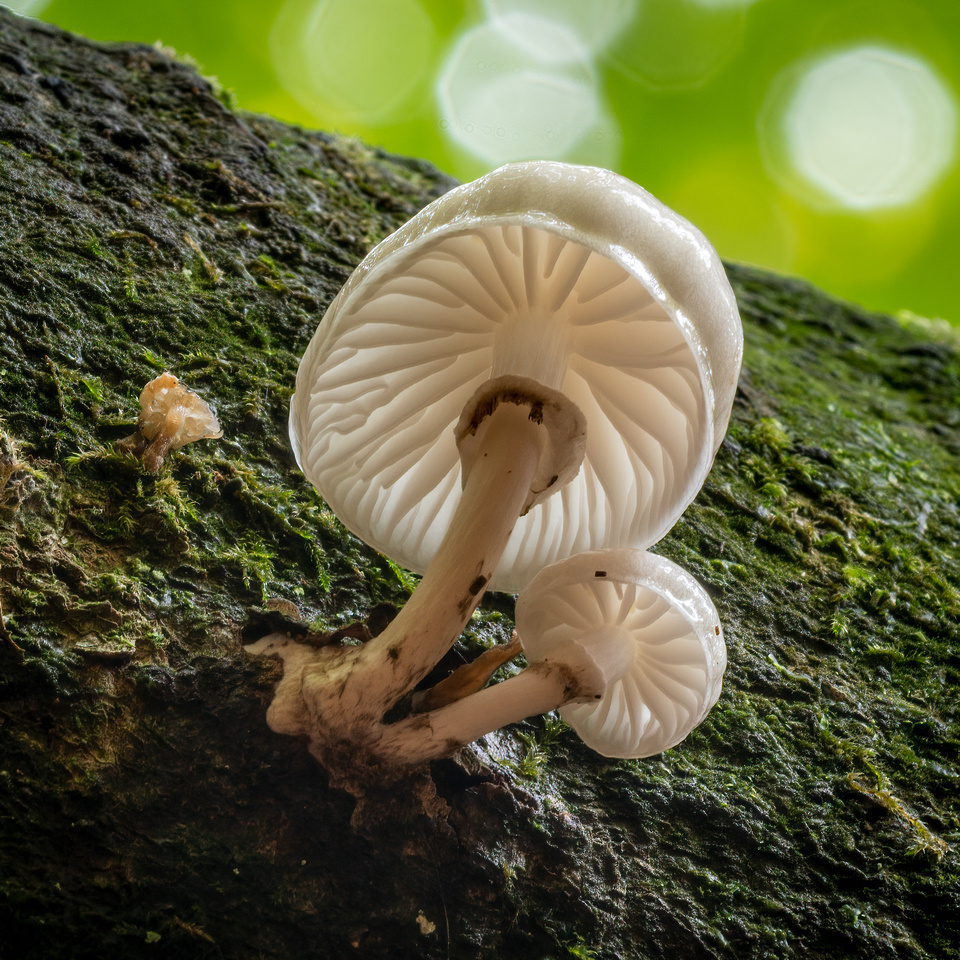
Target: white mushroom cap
(650, 629)
(572, 276)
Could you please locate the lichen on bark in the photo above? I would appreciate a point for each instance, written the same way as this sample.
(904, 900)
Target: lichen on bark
(145, 808)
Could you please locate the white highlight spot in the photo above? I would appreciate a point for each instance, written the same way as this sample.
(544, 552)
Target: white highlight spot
(533, 24)
(869, 128)
(27, 8)
(361, 61)
(501, 100)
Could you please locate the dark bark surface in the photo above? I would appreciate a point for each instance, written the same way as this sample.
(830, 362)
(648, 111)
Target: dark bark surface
(145, 808)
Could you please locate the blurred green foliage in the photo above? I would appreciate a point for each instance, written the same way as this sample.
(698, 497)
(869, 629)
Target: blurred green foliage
(697, 100)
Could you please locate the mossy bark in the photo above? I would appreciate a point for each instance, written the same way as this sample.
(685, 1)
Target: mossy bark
(146, 809)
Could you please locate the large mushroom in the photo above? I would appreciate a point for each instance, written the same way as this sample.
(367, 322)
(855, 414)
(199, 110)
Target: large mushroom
(572, 277)
(540, 363)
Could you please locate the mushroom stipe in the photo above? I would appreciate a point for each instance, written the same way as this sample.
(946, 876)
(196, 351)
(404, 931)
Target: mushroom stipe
(522, 388)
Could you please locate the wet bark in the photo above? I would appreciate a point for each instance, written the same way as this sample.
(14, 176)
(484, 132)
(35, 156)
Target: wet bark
(146, 809)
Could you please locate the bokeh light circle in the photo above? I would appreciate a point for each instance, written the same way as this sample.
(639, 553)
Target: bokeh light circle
(27, 8)
(316, 50)
(866, 128)
(679, 44)
(593, 25)
(500, 101)
(546, 41)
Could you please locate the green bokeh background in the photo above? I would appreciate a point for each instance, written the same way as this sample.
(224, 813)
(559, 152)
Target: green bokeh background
(685, 86)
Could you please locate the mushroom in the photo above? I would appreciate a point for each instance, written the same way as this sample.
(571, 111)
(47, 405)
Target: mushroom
(540, 363)
(650, 630)
(624, 642)
(571, 277)
(171, 416)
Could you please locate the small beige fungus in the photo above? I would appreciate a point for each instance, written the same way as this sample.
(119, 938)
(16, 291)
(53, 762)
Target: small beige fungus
(539, 364)
(171, 416)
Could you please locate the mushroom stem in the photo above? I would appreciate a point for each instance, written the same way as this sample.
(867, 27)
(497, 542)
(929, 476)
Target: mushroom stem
(541, 687)
(493, 499)
(159, 447)
(466, 679)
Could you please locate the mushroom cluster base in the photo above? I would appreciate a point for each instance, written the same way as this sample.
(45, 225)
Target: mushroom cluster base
(520, 438)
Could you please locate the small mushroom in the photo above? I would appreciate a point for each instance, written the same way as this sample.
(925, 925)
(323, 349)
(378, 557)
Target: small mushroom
(170, 417)
(540, 363)
(626, 644)
(650, 631)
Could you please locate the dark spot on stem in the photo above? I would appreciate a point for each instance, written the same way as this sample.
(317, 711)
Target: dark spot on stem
(393, 653)
(600, 573)
(477, 586)
(379, 618)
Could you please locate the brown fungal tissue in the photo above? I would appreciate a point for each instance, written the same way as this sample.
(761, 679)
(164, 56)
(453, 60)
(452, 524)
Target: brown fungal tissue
(170, 417)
